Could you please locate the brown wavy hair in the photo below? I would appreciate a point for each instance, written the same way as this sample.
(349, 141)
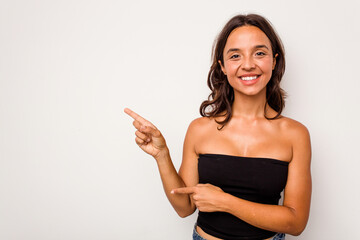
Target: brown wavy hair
(221, 98)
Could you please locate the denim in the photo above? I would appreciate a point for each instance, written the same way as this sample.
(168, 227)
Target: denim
(279, 236)
(196, 236)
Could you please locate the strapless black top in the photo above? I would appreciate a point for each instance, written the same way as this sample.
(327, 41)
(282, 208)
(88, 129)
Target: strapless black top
(255, 179)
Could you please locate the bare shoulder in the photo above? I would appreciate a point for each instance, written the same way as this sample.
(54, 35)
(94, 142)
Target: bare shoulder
(194, 134)
(201, 121)
(199, 125)
(198, 130)
(299, 136)
(293, 128)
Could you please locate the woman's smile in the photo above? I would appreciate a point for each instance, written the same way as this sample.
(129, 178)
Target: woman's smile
(249, 79)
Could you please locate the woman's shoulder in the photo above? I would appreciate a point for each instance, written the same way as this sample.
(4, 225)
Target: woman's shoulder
(201, 124)
(198, 130)
(201, 121)
(292, 127)
(202, 127)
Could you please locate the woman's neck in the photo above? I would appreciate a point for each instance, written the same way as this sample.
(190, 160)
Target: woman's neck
(249, 107)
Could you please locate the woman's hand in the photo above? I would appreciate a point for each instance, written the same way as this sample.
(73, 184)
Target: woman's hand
(206, 197)
(148, 137)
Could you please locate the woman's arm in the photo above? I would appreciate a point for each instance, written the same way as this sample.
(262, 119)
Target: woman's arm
(293, 215)
(290, 218)
(151, 141)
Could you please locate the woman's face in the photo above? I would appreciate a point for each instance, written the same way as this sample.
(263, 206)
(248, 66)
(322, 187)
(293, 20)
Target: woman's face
(248, 60)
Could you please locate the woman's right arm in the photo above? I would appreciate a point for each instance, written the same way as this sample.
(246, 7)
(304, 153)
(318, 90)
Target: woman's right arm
(151, 141)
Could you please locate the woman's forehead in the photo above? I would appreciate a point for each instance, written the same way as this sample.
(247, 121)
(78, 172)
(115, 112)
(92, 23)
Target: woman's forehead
(247, 36)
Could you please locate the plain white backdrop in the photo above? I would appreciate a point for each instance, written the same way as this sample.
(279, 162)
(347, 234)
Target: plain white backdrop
(69, 165)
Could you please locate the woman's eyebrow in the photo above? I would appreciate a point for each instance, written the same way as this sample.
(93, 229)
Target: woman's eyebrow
(261, 46)
(238, 49)
(233, 50)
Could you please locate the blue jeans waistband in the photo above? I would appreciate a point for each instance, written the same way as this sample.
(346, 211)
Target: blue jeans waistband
(196, 236)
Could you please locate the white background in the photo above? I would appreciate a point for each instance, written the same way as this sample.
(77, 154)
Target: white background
(69, 166)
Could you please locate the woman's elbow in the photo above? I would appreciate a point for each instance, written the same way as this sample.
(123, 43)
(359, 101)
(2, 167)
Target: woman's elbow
(296, 223)
(184, 214)
(296, 232)
(296, 229)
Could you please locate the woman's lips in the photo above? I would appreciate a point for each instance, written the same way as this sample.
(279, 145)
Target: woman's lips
(249, 79)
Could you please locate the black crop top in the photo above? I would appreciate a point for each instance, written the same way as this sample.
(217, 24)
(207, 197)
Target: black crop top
(255, 179)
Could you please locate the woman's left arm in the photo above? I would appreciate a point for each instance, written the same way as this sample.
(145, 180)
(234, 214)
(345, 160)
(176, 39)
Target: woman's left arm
(291, 217)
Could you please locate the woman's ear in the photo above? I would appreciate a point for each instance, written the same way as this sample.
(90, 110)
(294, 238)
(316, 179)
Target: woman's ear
(274, 62)
(222, 67)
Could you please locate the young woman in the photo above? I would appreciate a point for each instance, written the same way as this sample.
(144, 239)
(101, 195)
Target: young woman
(242, 153)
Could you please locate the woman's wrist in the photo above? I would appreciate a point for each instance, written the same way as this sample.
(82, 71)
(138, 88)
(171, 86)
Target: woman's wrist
(225, 202)
(163, 155)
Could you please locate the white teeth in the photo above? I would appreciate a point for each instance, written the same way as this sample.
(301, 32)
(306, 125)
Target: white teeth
(249, 78)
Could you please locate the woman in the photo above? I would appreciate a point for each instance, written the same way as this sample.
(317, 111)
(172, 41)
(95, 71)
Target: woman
(242, 153)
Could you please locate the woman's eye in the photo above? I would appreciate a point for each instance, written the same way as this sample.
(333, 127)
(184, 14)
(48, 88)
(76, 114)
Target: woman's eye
(260, 54)
(234, 56)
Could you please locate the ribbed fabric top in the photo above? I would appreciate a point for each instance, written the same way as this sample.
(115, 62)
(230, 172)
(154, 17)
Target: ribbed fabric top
(255, 179)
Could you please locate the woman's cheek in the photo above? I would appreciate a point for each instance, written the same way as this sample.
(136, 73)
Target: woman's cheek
(267, 64)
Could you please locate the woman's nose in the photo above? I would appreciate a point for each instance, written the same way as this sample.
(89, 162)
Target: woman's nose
(248, 63)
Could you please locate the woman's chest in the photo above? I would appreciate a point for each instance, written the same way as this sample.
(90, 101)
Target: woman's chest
(246, 142)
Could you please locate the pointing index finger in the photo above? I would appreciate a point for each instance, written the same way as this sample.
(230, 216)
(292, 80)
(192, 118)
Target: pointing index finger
(135, 116)
(138, 118)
